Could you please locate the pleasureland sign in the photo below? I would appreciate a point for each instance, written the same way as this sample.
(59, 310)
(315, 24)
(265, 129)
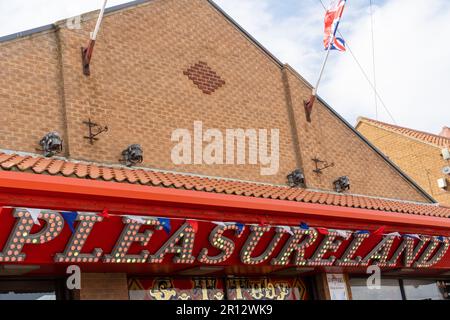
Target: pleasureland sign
(52, 237)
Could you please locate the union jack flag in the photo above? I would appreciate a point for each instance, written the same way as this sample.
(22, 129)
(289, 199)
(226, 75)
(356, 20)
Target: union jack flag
(332, 19)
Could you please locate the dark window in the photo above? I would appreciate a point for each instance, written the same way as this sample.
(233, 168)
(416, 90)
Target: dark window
(397, 289)
(422, 290)
(31, 290)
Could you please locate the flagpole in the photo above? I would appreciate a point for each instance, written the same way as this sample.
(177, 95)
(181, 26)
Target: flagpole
(87, 52)
(309, 104)
(99, 22)
(314, 90)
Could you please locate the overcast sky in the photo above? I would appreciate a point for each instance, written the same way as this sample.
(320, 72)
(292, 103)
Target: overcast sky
(412, 50)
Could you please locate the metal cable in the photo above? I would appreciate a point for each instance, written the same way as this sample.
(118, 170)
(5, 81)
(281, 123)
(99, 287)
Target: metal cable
(373, 58)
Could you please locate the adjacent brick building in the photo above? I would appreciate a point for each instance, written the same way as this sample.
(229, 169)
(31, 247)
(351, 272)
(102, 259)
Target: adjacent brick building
(417, 153)
(159, 66)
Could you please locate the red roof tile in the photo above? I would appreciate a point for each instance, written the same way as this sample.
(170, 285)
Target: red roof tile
(434, 139)
(62, 167)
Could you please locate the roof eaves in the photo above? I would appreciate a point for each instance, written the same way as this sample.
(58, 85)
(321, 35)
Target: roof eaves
(26, 33)
(193, 175)
(52, 26)
(392, 128)
(146, 169)
(125, 5)
(329, 192)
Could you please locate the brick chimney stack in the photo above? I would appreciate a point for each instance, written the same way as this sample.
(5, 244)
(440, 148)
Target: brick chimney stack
(445, 132)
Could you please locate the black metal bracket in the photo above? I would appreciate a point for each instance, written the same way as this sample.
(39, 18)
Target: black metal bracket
(325, 165)
(92, 137)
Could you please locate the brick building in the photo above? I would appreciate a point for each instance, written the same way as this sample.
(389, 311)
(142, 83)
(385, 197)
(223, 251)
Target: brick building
(418, 154)
(164, 65)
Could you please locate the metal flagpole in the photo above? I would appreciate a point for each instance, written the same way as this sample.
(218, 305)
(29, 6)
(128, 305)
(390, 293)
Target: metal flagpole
(87, 52)
(314, 90)
(323, 66)
(309, 104)
(373, 60)
(99, 22)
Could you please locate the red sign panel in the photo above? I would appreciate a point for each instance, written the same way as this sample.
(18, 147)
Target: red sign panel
(177, 289)
(52, 238)
(217, 289)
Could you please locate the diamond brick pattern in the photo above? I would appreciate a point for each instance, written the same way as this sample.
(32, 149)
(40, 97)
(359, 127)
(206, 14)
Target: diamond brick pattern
(62, 167)
(204, 77)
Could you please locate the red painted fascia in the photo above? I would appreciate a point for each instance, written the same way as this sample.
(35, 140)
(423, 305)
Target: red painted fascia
(60, 186)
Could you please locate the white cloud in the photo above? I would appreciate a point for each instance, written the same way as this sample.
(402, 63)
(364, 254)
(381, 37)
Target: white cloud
(412, 65)
(413, 69)
(291, 38)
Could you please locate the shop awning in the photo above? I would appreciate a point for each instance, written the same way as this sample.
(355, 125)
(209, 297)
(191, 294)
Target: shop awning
(57, 185)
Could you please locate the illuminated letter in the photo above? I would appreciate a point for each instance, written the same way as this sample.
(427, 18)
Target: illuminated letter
(219, 241)
(411, 251)
(425, 261)
(380, 252)
(329, 243)
(183, 253)
(21, 234)
(76, 243)
(253, 240)
(127, 237)
(296, 244)
(347, 257)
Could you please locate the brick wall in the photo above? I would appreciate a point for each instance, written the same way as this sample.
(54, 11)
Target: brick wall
(104, 286)
(329, 139)
(139, 88)
(422, 161)
(30, 91)
(142, 89)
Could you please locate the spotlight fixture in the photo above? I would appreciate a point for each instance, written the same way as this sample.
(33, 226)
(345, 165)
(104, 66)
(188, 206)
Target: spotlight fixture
(296, 178)
(446, 170)
(132, 155)
(342, 184)
(51, 144)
